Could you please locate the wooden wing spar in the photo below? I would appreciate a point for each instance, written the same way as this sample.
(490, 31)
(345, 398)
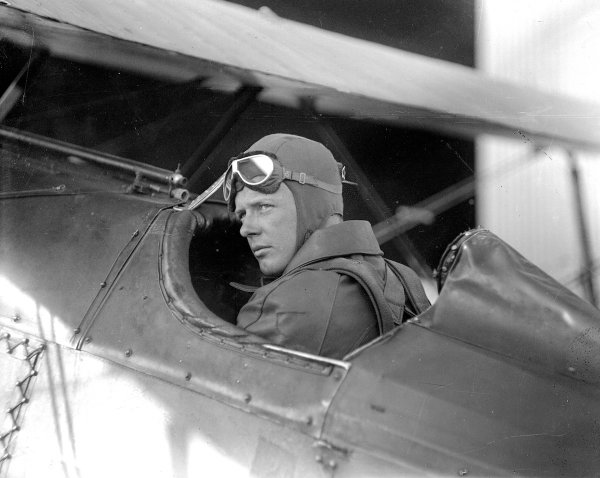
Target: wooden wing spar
(293, 62)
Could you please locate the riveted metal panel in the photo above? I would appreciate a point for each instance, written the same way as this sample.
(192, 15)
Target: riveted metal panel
(56, 253)
(136, 327)
(442, 406)
(94, 418)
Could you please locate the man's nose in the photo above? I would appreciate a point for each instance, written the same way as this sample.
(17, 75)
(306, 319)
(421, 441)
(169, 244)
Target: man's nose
(249, 226)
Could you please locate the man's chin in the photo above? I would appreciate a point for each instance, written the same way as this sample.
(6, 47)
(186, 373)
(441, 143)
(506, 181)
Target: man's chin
(268, 269)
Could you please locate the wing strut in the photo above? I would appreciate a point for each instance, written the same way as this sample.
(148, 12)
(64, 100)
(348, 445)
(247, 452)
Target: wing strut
(16, 89)
(372, 199)
(196, 163)
(586, 276)
(405, 219)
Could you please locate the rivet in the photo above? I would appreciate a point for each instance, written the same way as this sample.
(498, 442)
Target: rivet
(571, 369)
(337, 376)
(444, 269)
(87, 340)
(102, 284)
(76, 330)
(463, 472)
(319, 459)
(128, 353)
(453, 247)
(136, 233)
(332, 464)
(188, 376)
(16, 318)
(247, 398)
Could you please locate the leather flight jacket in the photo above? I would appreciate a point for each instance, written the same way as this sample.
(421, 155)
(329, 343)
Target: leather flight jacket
(336, 294)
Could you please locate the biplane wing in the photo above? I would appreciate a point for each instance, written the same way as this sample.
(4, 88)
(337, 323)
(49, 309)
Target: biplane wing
(295, 62)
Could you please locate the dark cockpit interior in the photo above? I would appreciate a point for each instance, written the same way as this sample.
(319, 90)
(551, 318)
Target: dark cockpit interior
(219, 256)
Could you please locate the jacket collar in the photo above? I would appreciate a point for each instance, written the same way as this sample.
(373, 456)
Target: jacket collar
(346, 238)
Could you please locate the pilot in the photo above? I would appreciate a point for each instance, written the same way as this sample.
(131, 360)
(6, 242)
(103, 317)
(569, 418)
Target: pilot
(321, 273)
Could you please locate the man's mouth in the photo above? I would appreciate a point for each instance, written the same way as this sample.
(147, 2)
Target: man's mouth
(259, 251)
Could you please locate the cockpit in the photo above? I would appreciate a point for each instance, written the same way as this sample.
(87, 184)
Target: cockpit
(87, 130)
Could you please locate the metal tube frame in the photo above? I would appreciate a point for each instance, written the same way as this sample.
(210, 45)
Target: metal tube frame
(586, 276)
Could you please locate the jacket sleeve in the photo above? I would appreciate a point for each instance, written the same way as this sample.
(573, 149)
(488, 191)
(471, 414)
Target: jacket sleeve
(320, 312)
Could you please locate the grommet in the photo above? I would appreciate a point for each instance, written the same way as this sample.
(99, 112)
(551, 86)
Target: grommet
(87, 340)
(188, 376)
(128, 353)
(247, 398)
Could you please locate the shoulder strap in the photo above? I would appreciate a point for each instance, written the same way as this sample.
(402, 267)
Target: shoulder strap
(417, 300)
(369, 281)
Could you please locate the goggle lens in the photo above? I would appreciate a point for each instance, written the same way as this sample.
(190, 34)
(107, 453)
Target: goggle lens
(252, 170)
(255, 169)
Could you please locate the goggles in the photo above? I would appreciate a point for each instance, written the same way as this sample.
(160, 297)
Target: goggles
(263, 172)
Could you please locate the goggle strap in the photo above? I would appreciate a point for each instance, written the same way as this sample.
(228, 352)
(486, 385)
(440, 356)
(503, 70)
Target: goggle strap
(304, 178)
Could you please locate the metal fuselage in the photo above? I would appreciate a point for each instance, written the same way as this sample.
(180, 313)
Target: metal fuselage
(123, 370)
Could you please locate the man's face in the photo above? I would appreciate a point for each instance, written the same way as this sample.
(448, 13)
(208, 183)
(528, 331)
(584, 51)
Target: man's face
(269, 225)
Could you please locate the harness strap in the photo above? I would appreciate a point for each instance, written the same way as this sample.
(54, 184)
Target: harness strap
(415, 293)
(370, 282)
(394, 295)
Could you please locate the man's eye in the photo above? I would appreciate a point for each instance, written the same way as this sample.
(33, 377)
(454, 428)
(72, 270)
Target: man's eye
(265, 206)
